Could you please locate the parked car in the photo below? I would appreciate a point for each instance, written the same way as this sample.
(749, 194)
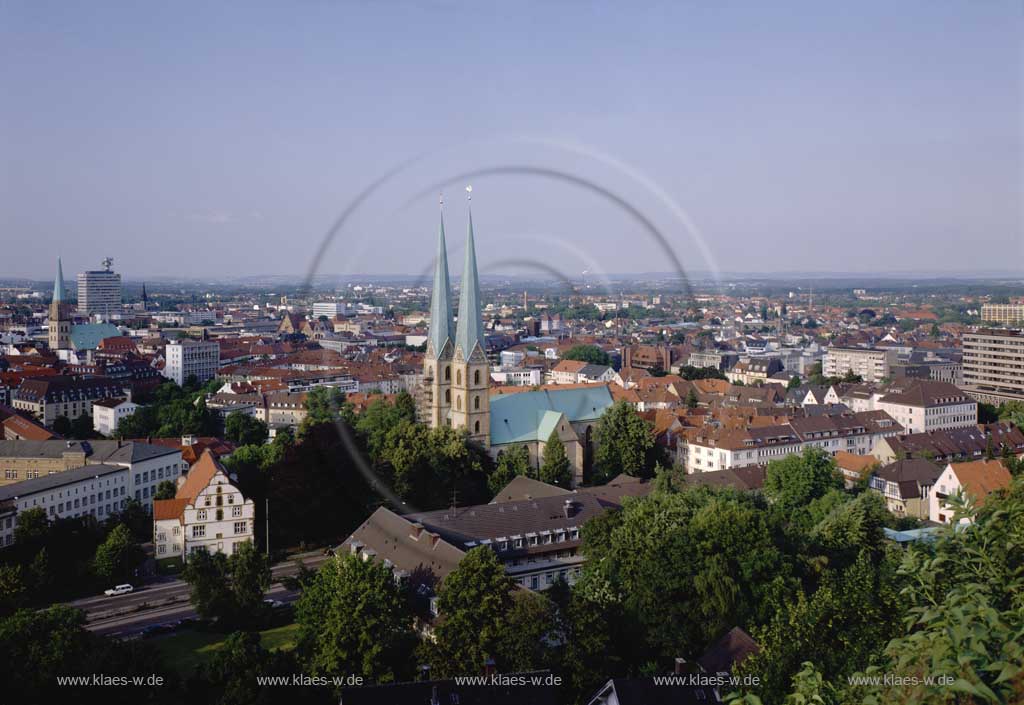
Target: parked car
(273, 604)
(123, 589)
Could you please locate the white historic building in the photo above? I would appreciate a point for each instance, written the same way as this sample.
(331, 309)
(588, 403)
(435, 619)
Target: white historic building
(107, 414)
(208, 513)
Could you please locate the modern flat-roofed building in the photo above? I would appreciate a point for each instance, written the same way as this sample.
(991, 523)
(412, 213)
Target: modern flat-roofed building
(99, 292)
(994, 365)
(191, 358)
(872, 364)
(1007, 314)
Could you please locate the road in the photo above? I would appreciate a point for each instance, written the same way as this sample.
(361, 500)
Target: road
(166, 600)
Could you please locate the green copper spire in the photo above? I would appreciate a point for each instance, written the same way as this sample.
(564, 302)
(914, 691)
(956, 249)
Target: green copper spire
(470, 329)
(58, 284)
(440, 301)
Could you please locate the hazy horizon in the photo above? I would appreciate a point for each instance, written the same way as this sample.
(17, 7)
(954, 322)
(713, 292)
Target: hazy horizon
(195, 141)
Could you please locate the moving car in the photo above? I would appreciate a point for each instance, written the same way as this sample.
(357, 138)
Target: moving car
(119, 590)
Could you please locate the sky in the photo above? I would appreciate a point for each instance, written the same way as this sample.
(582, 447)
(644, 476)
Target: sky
(224, 139)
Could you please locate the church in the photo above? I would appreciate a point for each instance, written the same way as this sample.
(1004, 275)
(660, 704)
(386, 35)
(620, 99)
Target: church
(68, 339)
(456, 380)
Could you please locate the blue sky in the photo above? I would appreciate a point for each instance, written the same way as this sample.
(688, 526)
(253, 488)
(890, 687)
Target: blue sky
(201, 139)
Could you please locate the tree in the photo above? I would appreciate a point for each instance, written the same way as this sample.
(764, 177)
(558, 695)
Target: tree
(473, 602)
(165, 490)
(207, 575)
(250, 577)
(625, 443)
(523, 643)
(795, 480)
(230, 677)
(555, 468)
(62, 426)
(323, 406)
(243, 429)
(118, 555)
(587, 353)
(1012, 411)
(512, 462)
(692, 401)
(690, 372)
(13, 589)
(794, 383)
(32, 527)
(355, 619)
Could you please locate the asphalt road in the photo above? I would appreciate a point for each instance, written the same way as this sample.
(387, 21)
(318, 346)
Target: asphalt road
(167, 600)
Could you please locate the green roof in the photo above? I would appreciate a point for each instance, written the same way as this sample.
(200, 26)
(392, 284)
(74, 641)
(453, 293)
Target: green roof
(87, 336)
(523, 417)
(470, 329)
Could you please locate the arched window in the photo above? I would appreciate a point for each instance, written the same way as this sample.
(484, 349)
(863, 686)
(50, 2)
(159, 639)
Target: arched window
(447, 373)
(476, 427)
(458, 377)
(476, 402)
(476, 377)
(458, 403)
(447, 396)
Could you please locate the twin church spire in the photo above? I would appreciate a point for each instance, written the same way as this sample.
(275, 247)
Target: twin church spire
(469, 331)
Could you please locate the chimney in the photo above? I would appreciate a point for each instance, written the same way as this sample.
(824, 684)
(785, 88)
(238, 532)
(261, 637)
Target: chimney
(415, 531)
(434, 538)
(680, 665)
(355, 547)
(567, 508)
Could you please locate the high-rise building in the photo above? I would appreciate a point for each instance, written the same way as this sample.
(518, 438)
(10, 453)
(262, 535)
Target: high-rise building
(60, 314)
(456, 375)
(994, 365)
(99, 291)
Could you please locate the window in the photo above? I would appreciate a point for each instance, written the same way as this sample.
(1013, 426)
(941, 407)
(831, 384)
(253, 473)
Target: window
(220, 514)
(476, 402)
(447, 373)
(236, 511)
(201, 515)
(476, 377)
(458, 377)
(174, 531)
(458, 403)
(198, 531)
(476, 427)
(447, 396)
(239, 527)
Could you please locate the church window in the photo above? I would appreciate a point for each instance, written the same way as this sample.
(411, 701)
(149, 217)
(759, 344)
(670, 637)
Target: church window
(447, 396)
(458, 377)
(447, 373)
(476, 402)
(476, 427)
(476, 377)
(458, 403)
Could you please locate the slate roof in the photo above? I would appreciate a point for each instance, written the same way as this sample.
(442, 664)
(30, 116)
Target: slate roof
(393, 538)
(55, 480)
(522, 488)
(729, 651)
(95, 451)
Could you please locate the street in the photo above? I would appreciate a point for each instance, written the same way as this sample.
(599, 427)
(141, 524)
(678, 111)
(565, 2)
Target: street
(167, 600)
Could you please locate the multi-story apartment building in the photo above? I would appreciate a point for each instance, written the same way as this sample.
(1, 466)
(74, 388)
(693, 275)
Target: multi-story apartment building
(923, 405)
(48, 398)
(994, 365)
(99, 292)
(191, 358)
(331, 309)
(718, 448)
(208, 513)
(872, 364)
(1007, 314)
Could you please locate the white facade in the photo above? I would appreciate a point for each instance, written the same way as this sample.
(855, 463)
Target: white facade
(186, 358)
(106, 419)
(218, 520)
(148, 474)
(517, 377)
(872, 364)
(329, 309)
(919, 419)
(99, 293)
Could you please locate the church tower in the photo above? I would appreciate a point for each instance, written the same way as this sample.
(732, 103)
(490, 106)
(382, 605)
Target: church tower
(436, 392)
(471, 405)
(60, 315)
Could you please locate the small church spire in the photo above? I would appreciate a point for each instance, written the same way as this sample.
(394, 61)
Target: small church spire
(440, 302)
(470, 326)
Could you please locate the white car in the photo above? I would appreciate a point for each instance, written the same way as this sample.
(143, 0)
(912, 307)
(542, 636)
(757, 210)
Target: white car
(119, 590)
(274, 604)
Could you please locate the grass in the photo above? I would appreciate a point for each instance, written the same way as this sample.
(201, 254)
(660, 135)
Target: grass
(188, 649)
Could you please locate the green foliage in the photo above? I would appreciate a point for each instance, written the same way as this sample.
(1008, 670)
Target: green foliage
(625, 443)
(691, 372)
(473, 602)
(243, 429)
(1012, 411)
(165, 490)
(555, 468)
(172, 411)
(228, 588)
(355, 619)
(512, 462)
(523, 642)
(324, 405)
(118, 555)
(587, 353)
(795, 480)
(230, 677)
(794, 383)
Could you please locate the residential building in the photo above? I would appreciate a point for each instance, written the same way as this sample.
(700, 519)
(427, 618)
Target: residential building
(993, 365)
(871, 364)
(954, 444)
(1007, 314)
(191, 358)
(718, 359)
(924, 405)
(754, 370)
(974, 481)
(330, 309)
(906, 486)
(577, 372)
(517, 377)
(208, 513)
(107, 414)
(99, 292)
(48, 398)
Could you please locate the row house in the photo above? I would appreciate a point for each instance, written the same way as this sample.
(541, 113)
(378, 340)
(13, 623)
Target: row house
(954, 444)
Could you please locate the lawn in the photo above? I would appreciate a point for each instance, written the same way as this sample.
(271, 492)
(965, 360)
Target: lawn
(186, 650)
